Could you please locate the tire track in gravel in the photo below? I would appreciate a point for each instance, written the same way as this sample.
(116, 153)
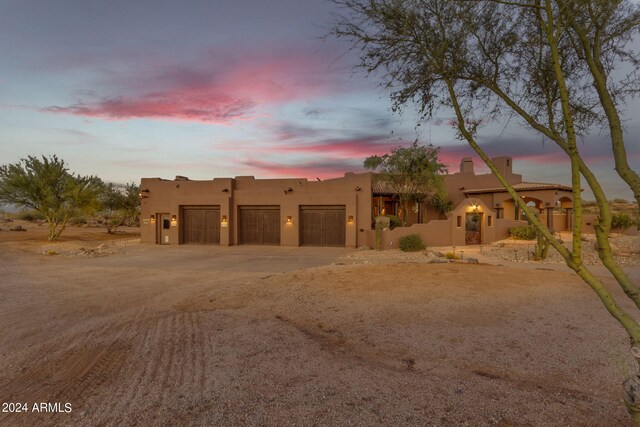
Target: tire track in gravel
(150, 353)
(133, 371)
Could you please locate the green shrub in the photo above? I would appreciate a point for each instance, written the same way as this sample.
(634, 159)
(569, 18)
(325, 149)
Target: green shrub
(523, 232)
(622, 220)
(411, 243)
(621, 201)
(78, 220)
(451, 255)
(31, 216)
(394, 221)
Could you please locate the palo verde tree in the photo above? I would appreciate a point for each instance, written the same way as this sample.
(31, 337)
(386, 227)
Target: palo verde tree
(119, 206)
(555, 65)
(46, 186)
(412, 173)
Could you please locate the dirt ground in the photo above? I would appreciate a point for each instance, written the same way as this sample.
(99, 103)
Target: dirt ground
(129, 340)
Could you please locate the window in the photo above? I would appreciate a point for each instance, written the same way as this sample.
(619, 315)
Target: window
(166, 224)
(459, 221)
(489, 221)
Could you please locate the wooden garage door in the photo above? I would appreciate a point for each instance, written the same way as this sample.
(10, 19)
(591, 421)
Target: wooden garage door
(201, 225)
(322, 225)
(259, 225)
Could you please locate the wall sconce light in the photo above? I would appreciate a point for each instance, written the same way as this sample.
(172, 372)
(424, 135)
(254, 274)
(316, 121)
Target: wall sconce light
(475, 208)
(152, 219)
(224, 222)
(224, 218)
(289, 219)
(174, 220)
(350, 219)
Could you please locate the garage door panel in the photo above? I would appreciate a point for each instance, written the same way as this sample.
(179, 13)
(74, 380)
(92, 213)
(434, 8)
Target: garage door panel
(334, 228)
(201, 225)
(322, 225)
(259, 225)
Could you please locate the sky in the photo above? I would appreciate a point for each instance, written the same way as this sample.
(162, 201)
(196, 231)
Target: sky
(139, 88)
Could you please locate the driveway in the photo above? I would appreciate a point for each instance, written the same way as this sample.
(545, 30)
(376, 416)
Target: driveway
(244, 258)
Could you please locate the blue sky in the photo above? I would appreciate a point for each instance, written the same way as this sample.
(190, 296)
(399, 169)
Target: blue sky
(132, 89)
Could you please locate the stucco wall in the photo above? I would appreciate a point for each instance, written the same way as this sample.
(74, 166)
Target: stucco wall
(444, 232)
(503, 226)
(168, 196)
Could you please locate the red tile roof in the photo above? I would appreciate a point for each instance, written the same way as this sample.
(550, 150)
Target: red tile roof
(523, 186)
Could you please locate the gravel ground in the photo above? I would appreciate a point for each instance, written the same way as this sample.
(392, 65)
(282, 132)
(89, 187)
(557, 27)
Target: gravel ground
(626, 251)
(393, 343)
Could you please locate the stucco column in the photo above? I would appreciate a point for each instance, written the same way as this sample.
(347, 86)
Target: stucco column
(550, 218)
(569, 218)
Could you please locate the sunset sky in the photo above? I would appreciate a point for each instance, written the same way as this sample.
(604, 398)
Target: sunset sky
(132, 89)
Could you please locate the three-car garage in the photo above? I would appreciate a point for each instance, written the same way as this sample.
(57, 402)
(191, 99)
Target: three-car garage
(261, 225)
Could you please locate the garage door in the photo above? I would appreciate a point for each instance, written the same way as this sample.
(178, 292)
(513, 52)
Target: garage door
(322, 225)
(201, 225)
(259, 225)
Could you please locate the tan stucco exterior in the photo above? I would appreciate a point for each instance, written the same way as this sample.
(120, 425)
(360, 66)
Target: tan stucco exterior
(482, 195)
(169, 196)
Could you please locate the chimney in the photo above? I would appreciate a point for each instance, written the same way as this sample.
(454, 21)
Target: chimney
(466, 165)
(504, 164)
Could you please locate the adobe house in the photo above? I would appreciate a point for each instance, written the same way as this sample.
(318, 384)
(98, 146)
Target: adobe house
(245, 210)
(340, 211)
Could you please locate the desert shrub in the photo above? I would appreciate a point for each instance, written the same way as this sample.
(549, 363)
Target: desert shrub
(451, 255)
(394, 221)
(621, 220)
(51, 252)
(621, 201)
(78, 220)
(31, 216)
(411, 243)
(523, 232)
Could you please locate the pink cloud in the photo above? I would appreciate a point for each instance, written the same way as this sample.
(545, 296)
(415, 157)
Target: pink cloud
(217, 89)
(311, 170)
(201, 107)
(357, 148)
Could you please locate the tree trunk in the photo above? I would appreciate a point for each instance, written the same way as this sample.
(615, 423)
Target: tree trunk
(631, 389)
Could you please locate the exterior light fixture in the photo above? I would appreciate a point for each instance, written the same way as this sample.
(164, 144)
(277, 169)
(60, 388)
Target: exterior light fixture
(224, 218)
(224, 222)
(289, 219)
(152, 219)
(174, 220)
(350, 219)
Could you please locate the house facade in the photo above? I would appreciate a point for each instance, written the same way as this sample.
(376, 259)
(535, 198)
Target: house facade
(340, 212)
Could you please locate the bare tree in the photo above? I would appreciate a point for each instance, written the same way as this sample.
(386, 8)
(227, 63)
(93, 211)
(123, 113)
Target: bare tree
(553, 64)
